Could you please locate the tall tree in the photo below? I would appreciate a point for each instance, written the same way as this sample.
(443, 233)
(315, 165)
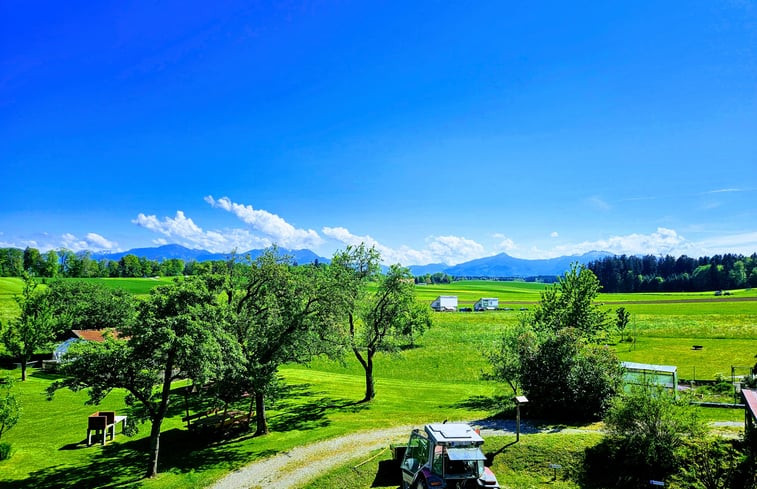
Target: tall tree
(89, 305)
(33, 329)
(384, 319)
(33, 261)
(570, 304)
(51, 264)
(177, 334)
(554, 356)
(280, 313)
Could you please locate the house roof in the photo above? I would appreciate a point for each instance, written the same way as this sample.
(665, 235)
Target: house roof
(750, 398)
(97, 335)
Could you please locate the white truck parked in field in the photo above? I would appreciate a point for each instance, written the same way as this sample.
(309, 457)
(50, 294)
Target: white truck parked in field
(445, 303)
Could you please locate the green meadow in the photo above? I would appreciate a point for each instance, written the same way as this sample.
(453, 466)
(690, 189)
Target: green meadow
(439, 378)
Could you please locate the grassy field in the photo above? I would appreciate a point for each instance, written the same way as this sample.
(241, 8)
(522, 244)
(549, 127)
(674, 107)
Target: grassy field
(440, 378)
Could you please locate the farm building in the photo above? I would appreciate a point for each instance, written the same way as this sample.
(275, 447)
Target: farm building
(76, 335)
(486, 304)
(645, 373)
(445, 303)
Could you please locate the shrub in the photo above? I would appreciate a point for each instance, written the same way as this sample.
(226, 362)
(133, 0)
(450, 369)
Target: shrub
(647, 429)
(5, 451)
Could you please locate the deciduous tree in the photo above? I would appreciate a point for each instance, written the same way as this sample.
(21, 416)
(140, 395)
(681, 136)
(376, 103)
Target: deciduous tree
(33, 329)
(177, 334)
(381, 320)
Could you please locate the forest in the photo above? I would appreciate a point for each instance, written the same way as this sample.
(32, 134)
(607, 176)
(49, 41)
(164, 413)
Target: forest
(669, 274)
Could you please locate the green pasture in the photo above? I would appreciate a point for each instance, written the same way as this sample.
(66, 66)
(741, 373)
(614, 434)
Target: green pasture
(438, 378)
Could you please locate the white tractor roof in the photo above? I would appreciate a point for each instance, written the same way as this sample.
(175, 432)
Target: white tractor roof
(453, 432)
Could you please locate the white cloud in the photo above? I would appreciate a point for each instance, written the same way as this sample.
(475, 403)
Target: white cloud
(744, 243)
(661, 242)
(454, 249)
(91, 242)
(505, 243)
(279, 230)
(183, 230)
(554, 234)
(724, 191)
(446, 249)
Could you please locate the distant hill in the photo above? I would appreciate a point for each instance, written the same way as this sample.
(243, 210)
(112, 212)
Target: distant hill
(431, 268)
(497, 266)
(504, 265)
(165, 252)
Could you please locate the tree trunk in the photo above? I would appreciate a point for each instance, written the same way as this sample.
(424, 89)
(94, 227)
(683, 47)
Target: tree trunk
(367, 363)
(160, 414)
(152, 467)
(23, 369)
(262, 424)
(370, 390)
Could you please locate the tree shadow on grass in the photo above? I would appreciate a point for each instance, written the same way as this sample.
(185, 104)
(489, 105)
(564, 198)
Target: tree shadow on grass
(123, 464)
(500, 405)
(304, 409)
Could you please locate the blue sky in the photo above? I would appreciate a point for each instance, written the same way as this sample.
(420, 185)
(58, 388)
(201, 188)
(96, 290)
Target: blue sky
(438, 131)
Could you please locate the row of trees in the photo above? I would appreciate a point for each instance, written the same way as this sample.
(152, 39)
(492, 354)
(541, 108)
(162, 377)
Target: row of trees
(433, 278)
(668, 274)
(14, 262)
(231, 330)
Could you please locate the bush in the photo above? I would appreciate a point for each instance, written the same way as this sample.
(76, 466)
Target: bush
(5, 451)
(647, 429)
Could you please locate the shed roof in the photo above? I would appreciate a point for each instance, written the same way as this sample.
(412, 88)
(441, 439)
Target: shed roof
(650, 367)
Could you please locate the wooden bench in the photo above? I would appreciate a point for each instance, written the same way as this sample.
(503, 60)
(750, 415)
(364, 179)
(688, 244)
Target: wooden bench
(198, 416)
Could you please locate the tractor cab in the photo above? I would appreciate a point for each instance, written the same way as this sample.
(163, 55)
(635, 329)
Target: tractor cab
(445, 456)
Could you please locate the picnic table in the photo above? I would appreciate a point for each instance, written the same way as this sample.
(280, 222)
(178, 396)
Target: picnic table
(103, 423)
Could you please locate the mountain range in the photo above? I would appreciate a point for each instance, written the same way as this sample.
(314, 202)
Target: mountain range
(169, 251)
(500, 266)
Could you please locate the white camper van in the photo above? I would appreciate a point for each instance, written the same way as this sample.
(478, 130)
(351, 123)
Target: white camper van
(486, 304)
(445, 303)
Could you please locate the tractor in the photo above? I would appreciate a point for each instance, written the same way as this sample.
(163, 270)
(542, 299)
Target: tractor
(445, 456)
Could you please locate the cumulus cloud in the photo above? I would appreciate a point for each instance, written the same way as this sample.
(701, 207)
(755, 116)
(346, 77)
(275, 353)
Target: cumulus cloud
(279, 230)
(554, 234)
(183, 230)
(447, 249)
(661, 242)
(505, 243)
(91, 242)
(744, 243)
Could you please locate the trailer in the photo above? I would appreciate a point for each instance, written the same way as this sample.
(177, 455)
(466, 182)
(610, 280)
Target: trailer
(486, 304)
(445, 303)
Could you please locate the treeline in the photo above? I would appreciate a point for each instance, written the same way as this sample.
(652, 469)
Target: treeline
(433, 278)
(669, 274)
(14, 262)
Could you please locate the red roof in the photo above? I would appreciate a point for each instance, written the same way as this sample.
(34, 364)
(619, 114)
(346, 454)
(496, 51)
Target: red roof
(750, 397)
(93, 334)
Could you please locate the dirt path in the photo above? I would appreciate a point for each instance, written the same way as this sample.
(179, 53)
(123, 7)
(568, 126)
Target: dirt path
(300, 465)
(295, 468)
